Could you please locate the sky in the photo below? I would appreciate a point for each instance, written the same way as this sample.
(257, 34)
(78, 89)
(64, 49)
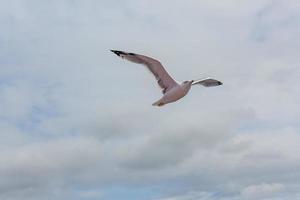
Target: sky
(76, 122)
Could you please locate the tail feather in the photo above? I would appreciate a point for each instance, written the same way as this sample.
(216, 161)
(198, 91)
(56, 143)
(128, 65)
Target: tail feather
(158, 103)
(155, 104)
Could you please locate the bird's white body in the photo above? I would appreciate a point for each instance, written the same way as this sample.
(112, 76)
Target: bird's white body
(172, 91)
(174, 94)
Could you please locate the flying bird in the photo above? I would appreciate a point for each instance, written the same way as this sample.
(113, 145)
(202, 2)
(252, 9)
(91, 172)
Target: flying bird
(172, 91)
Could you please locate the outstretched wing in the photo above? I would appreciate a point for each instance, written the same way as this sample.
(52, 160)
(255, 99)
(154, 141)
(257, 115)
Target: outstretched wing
(208, 82)
(164, 80)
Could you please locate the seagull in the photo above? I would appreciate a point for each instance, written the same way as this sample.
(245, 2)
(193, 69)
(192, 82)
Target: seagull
(172, 91)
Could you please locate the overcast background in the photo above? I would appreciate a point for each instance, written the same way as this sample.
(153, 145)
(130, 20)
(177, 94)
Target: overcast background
(76, 122)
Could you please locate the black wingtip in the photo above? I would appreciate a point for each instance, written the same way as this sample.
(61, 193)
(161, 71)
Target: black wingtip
(220, 83)
(117, 52)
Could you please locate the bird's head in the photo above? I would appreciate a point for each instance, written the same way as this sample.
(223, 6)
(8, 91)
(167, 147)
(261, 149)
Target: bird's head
(187, 84)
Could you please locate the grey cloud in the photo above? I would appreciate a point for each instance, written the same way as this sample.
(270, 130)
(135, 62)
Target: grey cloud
(172, 146)
(68, 122)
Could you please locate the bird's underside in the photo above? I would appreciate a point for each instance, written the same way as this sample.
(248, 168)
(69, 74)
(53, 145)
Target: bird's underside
(172, 91)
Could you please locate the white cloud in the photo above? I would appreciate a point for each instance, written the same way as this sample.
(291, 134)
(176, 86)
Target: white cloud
(262, 191)
(191, 196)
(67, 121)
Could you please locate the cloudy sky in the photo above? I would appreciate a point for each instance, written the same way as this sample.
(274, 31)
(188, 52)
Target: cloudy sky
(76, 122)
